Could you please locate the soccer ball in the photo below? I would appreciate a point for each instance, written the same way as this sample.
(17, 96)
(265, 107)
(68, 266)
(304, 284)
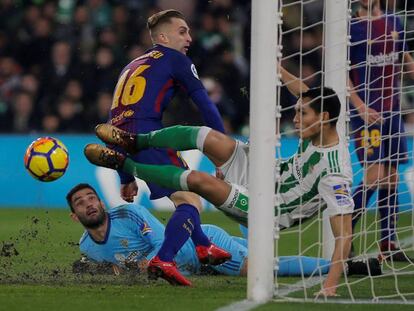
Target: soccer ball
(46, 159)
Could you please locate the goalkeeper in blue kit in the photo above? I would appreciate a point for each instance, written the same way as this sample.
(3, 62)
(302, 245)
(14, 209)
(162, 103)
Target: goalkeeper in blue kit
(128, 236)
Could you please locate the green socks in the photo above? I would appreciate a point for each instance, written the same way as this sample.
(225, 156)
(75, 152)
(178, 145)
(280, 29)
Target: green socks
(175, 137)
(168, 176)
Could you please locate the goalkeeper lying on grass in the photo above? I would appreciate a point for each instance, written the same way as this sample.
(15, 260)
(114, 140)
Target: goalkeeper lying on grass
(129, 235)
(319, 175)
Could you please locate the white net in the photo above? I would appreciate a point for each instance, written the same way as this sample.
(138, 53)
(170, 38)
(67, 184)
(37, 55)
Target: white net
(378, 43)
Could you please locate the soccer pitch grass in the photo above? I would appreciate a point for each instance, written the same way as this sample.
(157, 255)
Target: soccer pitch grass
(38, 247)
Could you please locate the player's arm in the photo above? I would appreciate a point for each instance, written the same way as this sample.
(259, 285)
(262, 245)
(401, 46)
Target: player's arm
(335, 191)
(407, 60)
(186, 74)
(208, 109)
(295, 85)
(369, 115)
(129, 188)
(147, 226)
(409, 64)
(342, 230)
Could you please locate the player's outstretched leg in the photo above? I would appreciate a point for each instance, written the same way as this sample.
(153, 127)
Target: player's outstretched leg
(177, 137)
(103, 156)
(115, 136)
(166, 270)
(168, 176)
(218, 147)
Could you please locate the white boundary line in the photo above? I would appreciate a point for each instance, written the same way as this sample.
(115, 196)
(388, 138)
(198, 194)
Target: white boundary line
(346, 301)
(300, 285)
(242, 305)
(246, 305)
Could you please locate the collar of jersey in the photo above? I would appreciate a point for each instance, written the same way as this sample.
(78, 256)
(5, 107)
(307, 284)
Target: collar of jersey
(325, 148)
(108, 229)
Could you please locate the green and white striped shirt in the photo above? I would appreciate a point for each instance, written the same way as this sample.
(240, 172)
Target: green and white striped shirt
(314, 178)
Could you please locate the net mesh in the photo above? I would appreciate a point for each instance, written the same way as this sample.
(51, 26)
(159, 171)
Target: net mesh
(379, 136)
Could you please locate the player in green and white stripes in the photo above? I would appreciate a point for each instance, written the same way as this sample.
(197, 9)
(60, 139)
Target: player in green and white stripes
(318, 175)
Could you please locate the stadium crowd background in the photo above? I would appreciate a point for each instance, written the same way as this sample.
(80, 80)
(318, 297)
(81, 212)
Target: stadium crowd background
(60, 60)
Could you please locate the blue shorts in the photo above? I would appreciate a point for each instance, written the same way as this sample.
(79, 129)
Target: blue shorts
(383, 143)
(155, 156)
(238, 251)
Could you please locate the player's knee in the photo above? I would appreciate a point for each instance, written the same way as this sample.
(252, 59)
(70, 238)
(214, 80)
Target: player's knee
(186, 197)
(219, 147)
(198, 181)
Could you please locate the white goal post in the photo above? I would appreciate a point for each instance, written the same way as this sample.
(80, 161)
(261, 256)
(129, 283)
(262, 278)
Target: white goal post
(262, 150)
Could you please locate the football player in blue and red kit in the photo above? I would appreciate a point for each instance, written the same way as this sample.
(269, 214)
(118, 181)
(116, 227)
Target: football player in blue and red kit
(144, 89)
(378, 54)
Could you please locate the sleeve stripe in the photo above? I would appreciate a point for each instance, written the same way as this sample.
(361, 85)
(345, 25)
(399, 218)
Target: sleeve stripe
(235, 266)
(232, 263)
(122, 213)
(333, 161)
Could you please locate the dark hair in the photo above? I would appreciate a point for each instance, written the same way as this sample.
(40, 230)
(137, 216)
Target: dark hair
(162, 17)
(324, 99)
(76, 189)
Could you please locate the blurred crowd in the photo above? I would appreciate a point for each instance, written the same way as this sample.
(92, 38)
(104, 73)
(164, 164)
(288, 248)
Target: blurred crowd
(60, 60)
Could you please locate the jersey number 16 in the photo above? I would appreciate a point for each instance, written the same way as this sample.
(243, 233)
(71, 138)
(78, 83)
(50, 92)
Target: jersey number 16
(130, 90)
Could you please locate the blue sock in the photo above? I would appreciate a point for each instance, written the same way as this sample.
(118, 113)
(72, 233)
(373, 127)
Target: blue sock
(388, 209)
(177, 231)
(360, 203)
(198, 236)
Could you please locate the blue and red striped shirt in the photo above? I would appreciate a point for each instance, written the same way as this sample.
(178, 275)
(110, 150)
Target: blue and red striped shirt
(147, 85)
(376, 53)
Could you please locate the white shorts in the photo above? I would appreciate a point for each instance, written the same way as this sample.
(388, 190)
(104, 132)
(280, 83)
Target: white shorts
(236, 168)
(235, 173)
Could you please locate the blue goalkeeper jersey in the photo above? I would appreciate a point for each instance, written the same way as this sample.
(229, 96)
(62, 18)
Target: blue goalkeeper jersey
(376, 52)
(134, 234)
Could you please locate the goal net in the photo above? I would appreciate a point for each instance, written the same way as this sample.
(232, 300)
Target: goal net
(363, 50)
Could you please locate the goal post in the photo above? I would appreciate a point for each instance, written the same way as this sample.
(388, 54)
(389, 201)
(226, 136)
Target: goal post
(336, 72)
(262, 150)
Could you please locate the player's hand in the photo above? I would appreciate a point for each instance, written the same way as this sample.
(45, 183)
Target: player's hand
(129, 191)
(326, 292)
(369, 115)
